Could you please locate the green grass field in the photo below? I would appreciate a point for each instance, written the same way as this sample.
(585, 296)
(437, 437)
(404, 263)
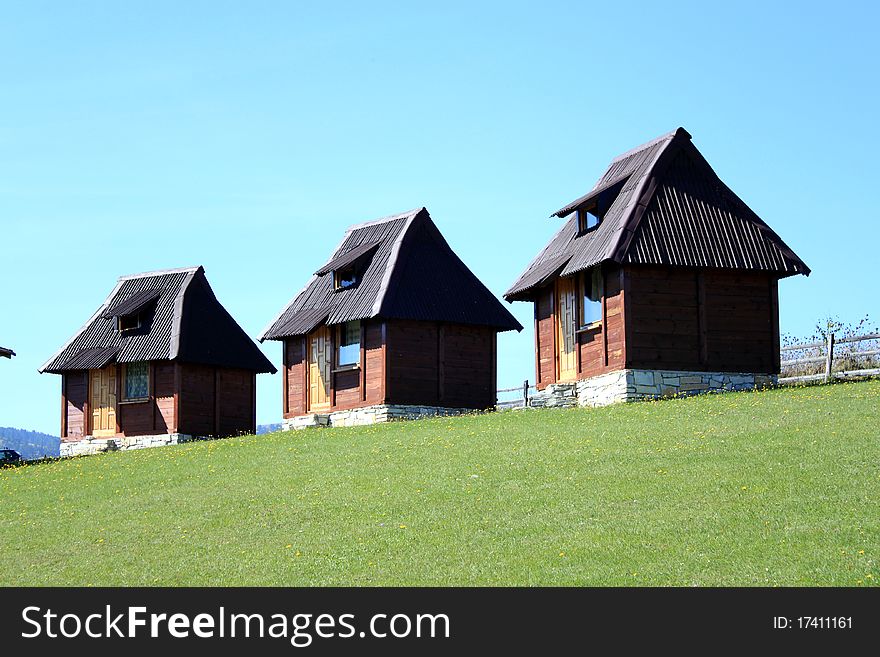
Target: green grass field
(773, 488)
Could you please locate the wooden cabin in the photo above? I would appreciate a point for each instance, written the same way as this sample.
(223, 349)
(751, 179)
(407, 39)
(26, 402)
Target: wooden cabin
(660, 281)
(160, 362)
(393, 325)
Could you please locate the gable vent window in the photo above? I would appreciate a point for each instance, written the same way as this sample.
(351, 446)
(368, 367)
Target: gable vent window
(588, 219)
(345, 278)
(137, 382)
(591, 297)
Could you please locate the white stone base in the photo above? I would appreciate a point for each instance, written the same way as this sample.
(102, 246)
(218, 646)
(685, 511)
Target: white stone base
(368, 415)
(634, 385)
(93, 445)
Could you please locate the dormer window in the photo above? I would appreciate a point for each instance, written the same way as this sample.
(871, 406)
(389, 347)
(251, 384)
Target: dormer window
(127, 323)
(588, 218)
(345, 278)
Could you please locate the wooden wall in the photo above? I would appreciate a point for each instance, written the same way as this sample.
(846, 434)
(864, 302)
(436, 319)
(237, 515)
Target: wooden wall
(155, 415)
(702, 320)
(600, 349)
(435, 364)
(293, 372)
(211, 401)
(75, 393)
(350, 389)
(545, 337)
(403, 362)
(671, 318)
(216, 401)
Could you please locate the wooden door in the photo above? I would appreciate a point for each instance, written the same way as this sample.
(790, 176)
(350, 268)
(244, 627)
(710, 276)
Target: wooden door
(320, 361)
(102, 401)
(566, 339)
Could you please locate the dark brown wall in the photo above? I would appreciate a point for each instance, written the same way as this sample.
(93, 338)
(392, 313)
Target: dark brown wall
(211, 402)
(404, 362)
(672, 318)
(294, 372)
(601, 349)
(155, 415)
(435, 364)
(216, 401)
(350, 389)
(545, 337)
(235, 401)
(76, 391)
(702, 320)
(374, 357)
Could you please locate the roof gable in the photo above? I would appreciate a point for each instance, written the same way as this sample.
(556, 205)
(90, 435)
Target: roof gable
(166, 293)
(394, 281)
(653, 177)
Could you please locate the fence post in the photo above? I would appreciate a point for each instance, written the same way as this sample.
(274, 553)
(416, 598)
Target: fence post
(829, 356)
(525, 393)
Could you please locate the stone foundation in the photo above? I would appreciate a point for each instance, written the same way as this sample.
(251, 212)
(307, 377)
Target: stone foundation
(634, 385)
(368, 415)
(93, 445)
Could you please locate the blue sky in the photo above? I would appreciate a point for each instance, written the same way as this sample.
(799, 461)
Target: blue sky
(246, 136)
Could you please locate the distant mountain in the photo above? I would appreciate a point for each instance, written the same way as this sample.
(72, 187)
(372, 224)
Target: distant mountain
(268, 428)
(30, 444)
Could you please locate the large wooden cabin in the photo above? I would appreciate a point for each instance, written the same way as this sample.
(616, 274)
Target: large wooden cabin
(661, 281)
(160, 362)
(394, 325)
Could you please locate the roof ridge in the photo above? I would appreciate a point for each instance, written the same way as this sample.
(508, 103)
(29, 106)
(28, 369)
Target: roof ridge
(160, 272)
(401, 215)
(666, 137)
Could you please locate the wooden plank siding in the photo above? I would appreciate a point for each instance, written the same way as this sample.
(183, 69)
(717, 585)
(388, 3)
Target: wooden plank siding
(600, 348)
(546, 338)
(405, 362)
(216, 401)
(76, 387)
(701, 320)
(673, 318)
(439, 364)
(203, 400)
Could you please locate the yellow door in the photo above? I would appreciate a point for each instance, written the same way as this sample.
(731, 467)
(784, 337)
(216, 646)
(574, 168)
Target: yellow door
(566, 342)
(102, 401)
(320, 359)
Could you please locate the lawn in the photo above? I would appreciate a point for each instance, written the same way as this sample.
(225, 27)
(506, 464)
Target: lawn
(780, 487)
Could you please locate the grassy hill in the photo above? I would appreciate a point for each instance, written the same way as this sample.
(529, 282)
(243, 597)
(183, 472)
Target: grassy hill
(772, 488)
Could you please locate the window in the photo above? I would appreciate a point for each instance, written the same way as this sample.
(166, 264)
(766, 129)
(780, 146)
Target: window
(587, 219)
(344, 278)
(591, 297)
(349, 344)
(129, 322)
(137, 381)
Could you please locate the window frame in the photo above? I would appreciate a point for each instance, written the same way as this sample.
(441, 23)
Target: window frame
(337, 351)
(338, 278)
(124, 398)
(597, 280)
(127, 329)
(583, 221)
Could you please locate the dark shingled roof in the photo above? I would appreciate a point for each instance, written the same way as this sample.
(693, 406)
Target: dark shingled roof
(181, 320)
(6, 353)
(668, 207)
(407, 271)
